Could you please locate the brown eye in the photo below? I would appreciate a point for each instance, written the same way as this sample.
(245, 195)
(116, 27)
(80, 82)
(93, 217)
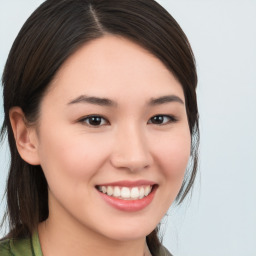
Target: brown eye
(94, 120)
(161, 119)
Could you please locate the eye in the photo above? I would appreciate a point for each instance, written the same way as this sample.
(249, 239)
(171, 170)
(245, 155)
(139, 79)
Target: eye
(94, 120)
(162, 119)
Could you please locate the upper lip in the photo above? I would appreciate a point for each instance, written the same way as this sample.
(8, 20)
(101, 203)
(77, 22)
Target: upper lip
(129, 183)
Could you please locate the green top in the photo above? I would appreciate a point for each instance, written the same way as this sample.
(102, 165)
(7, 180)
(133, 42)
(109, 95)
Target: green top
(21, 247)
(31, 247)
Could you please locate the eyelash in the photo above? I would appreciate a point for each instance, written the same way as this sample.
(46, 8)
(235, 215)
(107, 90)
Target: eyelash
(87, 119)
(98, 119)
(171, 119)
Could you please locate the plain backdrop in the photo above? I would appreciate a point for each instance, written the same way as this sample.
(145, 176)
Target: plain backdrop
(220, 217)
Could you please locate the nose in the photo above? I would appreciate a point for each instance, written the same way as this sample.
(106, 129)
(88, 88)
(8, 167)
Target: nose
(131, 150)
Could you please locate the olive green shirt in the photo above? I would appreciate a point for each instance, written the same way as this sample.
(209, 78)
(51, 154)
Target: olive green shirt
(31, 247)
(21, 247)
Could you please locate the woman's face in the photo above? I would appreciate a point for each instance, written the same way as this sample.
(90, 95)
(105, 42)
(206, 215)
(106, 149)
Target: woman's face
(113, 128)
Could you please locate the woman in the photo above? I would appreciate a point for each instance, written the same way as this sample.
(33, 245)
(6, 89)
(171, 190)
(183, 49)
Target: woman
(102, 122)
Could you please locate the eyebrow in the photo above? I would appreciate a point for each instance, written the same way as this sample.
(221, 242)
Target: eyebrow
(93, 100)
(110, 103)
(165, 99)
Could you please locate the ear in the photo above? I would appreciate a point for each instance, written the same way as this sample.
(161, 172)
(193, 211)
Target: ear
(25, 136)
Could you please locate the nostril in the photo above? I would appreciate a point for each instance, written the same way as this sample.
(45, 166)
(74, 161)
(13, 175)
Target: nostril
(132, 163)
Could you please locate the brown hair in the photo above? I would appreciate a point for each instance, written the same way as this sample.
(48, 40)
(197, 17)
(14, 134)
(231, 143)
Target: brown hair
(50, 35)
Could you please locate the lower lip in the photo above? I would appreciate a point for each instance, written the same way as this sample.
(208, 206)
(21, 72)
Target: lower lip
(129, 205)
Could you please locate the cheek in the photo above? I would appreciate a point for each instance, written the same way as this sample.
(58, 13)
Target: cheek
(71, 157)
(179, 153)
(173, 155)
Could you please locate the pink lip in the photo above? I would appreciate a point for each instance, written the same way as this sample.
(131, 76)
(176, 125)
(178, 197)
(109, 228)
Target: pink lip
(128, 183)
(129, 205)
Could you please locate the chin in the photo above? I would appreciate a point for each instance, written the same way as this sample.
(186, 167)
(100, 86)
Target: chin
(128, 233)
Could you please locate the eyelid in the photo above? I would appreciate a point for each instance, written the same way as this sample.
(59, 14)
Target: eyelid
(83, 120)
(172, 119)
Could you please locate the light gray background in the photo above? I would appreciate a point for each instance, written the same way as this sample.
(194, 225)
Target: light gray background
(220, 218)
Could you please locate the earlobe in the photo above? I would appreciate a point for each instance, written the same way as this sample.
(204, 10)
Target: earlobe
(25, 136)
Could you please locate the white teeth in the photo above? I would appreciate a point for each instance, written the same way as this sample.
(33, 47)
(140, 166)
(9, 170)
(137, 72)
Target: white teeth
(117, 192)
(147, 190)
(104, 189)
(135, 193)
(126, 193)
(142, 192)
(110, 191)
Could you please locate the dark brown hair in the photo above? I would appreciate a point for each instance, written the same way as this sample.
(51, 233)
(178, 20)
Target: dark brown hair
(50, 35)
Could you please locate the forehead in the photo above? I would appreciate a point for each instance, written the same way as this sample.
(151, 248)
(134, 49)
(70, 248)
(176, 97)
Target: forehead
(114, 66)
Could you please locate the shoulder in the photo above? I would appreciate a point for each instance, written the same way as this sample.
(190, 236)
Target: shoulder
(5, 247)
(164, 252)
(17, 247)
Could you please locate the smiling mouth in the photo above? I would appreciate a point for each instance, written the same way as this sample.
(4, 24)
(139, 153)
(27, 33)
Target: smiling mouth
(126, 193)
